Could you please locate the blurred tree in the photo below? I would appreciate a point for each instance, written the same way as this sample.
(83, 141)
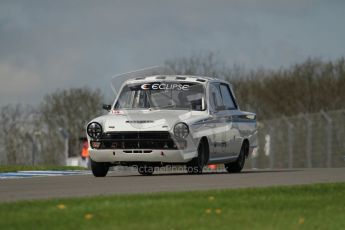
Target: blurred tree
(69, 111)
(307, 87)
(15, 134)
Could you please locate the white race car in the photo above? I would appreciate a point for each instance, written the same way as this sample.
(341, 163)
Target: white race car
(172, 120)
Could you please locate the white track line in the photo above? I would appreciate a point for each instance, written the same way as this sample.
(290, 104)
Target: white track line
(26, 174)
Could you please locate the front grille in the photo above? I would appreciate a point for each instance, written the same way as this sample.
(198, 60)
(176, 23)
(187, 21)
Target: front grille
(137, 140)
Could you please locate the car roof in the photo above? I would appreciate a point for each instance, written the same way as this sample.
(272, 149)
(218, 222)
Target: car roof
(182, 78)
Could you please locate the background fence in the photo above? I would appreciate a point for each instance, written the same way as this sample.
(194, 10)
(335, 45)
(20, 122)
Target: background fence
(303, 141)
(306, 140)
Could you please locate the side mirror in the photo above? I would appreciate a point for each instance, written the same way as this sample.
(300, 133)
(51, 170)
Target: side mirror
(106, 107)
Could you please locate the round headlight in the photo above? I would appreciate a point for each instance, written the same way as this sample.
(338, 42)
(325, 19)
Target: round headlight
(181, 130)
(94, 130)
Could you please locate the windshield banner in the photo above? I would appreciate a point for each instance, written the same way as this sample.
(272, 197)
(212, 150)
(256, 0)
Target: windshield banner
(165, 86)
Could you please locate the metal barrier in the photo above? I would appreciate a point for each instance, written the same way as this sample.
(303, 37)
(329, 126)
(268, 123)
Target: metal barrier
(304, 141)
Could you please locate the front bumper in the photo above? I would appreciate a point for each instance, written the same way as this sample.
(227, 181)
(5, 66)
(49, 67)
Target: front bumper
(124, 155)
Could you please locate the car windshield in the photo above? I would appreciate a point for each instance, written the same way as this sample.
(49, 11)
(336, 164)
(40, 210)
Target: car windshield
(162, 95)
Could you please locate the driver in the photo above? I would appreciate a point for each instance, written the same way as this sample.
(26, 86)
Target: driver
(183, 101)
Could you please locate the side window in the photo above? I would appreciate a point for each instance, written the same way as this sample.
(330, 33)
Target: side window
(216, 102)
(228, 100)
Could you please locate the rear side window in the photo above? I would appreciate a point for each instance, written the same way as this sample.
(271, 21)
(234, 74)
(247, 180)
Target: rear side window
(228, 100)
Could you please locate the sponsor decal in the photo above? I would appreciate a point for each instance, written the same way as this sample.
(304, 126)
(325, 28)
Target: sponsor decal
(165, 86)
(146, 86)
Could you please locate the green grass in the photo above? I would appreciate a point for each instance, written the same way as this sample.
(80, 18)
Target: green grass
(319, 206)
(16, 168)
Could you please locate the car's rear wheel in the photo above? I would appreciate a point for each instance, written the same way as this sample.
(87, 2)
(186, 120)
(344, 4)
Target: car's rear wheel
(99, 169)
(197, 164)
(237, 166)
(146, 170)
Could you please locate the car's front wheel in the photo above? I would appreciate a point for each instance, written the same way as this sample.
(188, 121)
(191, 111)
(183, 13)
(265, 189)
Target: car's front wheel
(197, 164)
(99, 169)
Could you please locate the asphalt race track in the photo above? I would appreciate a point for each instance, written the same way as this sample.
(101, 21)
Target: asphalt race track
(130, 182)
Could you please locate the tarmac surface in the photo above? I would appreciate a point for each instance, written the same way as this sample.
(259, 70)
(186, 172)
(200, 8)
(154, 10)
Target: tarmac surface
(119, 182)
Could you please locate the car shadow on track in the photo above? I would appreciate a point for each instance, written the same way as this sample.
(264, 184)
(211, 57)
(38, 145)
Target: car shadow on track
(183, 173)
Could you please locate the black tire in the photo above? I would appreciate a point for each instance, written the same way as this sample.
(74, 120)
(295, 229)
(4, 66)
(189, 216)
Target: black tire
(99, 169)
(196, 165)
(237, 166)
(146, 170)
